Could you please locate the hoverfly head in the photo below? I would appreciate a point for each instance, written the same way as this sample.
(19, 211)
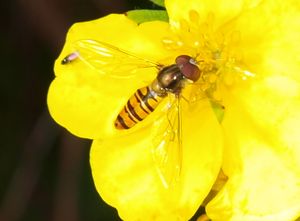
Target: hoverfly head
(188, 67)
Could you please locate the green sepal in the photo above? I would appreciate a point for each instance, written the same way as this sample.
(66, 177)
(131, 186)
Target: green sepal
(159, 2)
(144, 15)
(218, 110)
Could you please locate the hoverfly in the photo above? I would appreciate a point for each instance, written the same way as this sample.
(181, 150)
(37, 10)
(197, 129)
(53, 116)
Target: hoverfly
(170, 80)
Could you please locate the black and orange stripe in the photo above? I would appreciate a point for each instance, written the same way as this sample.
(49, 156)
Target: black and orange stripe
(139, 106)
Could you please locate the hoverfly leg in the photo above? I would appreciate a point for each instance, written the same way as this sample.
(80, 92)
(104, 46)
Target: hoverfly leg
(171, 124)
(185, 99)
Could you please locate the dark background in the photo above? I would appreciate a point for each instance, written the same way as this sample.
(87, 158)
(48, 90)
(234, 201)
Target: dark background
(44, 170)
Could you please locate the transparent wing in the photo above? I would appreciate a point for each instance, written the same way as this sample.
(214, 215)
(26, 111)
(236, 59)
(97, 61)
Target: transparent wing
(108, 59)
(167, 144)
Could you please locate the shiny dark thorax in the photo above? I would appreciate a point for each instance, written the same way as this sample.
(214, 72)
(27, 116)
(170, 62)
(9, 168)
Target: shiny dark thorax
(170, 79)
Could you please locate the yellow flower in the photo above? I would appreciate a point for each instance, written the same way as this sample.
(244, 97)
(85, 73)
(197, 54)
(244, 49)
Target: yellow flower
(248, 52)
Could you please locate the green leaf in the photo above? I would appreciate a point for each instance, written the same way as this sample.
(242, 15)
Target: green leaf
(218, 110)
(144, 15)
(159, 2)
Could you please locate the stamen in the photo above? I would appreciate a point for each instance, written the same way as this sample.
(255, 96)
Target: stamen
(197, 36)
(184, 25)
(194, 16)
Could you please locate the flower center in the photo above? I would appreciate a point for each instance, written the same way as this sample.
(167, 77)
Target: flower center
(211, 48)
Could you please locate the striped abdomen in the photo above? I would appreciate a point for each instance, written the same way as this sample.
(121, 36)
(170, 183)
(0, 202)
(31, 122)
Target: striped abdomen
(139, 106)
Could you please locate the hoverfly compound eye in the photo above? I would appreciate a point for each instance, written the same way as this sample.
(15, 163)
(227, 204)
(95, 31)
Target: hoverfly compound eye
(188, 67)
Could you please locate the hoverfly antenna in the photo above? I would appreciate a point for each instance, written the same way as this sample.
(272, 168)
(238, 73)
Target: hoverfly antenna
(195, 60)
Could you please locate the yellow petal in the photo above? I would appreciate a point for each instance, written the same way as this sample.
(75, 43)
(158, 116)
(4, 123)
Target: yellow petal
(270, 96)
(266, 38)
(264, 182)
(127, 178)
(261, 123)
(86, 102)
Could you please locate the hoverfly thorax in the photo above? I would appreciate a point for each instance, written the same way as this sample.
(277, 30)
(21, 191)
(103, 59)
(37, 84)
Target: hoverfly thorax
(173, 77)
(169, 79)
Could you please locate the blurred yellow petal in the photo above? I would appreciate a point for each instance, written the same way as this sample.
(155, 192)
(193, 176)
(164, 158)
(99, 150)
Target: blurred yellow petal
(126, 176)
(86, 102)
(261, 123)
(264, 182)
(266, 38)
(270, 94)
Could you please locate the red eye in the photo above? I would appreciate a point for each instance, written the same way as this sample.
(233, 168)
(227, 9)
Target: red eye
(188, 68)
